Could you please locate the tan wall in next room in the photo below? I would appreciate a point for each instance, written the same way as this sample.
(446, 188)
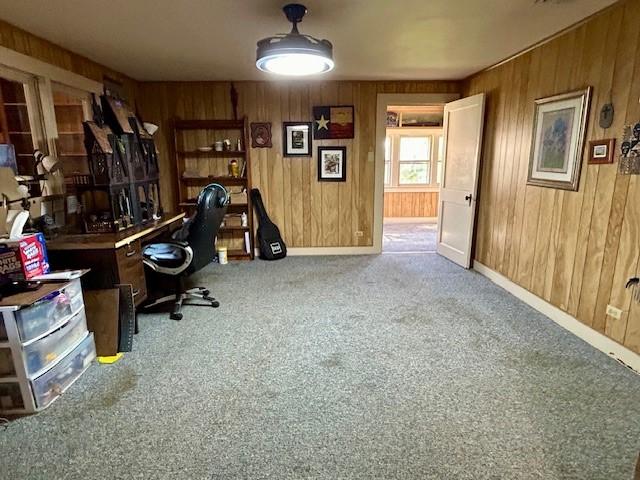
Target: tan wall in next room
(573, 249)
(410, 204)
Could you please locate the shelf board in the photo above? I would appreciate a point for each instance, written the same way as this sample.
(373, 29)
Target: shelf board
(212, 154)
(233, 181)
(232, 207)
(238, 254)
(233, 229)
(19, 133)
(70, 133)
(72, 154)
(15, 104)
(75, 105)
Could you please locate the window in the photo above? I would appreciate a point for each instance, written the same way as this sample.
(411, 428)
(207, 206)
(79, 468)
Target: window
(413, 157)
(415, 160)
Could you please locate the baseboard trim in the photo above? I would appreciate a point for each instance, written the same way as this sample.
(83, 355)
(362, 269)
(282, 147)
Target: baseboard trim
(566, 321)
(300, 251)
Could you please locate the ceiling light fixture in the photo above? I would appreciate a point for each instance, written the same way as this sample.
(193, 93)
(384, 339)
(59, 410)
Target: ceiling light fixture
(293, 53)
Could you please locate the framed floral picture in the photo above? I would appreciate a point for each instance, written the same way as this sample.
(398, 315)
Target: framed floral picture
(332, 164)
(297, 139)
(557, 143)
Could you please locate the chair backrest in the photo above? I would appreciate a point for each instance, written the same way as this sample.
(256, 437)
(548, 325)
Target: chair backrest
(204, 225)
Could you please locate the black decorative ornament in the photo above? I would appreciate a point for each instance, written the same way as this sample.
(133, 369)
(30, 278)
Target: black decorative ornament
(606, 115)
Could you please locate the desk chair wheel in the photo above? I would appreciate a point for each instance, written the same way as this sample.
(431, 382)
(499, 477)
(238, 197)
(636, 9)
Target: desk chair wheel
(215, 303)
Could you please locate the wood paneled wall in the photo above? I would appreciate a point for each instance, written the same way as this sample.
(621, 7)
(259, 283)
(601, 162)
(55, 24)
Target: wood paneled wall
(410, 204)
(28, 44)
(309, 213)
(574, 249)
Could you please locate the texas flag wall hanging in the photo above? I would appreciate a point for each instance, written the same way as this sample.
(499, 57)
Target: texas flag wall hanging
(333, 122)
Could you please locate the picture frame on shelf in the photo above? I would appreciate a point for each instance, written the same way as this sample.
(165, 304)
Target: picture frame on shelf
(332, 164)
(601, 151)
(557, 142)
(297, 140)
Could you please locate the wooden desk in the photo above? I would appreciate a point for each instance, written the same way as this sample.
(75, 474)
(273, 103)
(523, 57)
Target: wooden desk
(114, 258)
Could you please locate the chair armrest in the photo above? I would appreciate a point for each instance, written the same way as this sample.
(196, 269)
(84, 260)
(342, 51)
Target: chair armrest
(184, 246)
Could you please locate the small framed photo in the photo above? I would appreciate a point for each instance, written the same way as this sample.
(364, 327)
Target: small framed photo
(297, 139)
(261, 135)
(332, 164)
(601, 151)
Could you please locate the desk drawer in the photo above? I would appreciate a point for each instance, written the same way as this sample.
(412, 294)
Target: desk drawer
(131, 269)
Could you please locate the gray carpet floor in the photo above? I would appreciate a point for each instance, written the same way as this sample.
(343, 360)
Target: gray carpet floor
(371, 367)
(409, 237)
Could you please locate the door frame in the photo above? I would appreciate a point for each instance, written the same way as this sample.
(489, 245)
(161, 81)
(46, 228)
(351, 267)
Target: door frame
(385, 100)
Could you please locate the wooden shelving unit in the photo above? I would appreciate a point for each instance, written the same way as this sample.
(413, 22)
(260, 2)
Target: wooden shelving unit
(15, 125)
(196, 168)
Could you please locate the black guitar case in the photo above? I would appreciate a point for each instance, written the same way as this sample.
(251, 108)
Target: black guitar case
(270, 242)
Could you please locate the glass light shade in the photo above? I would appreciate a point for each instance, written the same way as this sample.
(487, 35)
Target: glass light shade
(295, 64)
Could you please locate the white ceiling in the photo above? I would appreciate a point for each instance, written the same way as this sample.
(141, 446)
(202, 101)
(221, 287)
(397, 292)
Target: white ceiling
(373, 39)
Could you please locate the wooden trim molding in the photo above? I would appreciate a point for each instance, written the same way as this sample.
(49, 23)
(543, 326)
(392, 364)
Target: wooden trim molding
(38, 68)
(313, 251)
(597, 340)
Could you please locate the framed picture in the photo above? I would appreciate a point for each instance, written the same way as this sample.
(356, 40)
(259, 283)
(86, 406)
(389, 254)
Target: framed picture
(601, 151)
(261, 135)
(332, 164)
(330, 123)
(297, 139)
(557, 143)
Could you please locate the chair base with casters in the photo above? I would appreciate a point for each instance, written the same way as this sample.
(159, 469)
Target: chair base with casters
(187, 251)
(183, 297)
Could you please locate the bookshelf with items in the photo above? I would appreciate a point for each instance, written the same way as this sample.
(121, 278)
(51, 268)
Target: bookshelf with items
(215, 151)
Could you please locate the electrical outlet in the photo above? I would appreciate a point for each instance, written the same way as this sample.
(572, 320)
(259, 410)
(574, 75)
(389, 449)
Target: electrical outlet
(359, 233)
(613, 311)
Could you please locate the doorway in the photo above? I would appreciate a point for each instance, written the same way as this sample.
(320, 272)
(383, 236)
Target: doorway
(413, 155)
(399, 228)
(462, 125)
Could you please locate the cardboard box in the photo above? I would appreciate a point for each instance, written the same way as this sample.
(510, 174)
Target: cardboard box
(23, 259)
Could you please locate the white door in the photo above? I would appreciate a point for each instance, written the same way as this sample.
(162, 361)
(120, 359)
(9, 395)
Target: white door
(463, 122)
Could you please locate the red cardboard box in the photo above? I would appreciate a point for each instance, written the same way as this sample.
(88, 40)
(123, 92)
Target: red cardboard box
(23, 259)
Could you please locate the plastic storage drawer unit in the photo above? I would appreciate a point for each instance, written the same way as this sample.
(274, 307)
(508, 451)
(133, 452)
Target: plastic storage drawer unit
(41, 353)
(54, 382)
(38, 318)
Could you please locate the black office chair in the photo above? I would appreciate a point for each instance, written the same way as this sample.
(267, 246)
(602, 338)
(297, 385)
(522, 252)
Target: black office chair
(189, 249)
